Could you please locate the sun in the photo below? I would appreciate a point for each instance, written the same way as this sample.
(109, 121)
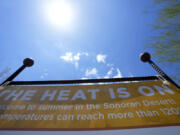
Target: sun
(59, 13)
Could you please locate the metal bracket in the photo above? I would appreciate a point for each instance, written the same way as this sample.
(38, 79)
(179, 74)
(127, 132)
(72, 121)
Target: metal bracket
(164, 80)
(4, 85)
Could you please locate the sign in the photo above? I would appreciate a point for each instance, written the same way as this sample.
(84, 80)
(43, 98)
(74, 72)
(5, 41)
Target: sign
(89, 107)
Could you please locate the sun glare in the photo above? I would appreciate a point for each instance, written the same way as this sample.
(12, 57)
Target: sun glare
(59, 13)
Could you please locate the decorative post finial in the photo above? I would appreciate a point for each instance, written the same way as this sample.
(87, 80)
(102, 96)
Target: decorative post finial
(146, 57)
(27, 62)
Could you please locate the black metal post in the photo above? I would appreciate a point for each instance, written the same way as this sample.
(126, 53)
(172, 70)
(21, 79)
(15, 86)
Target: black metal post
(28, 62)
(146, 57)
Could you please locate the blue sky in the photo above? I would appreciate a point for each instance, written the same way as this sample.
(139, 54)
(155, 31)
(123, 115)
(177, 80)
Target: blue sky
(114, 31)
(102, 40)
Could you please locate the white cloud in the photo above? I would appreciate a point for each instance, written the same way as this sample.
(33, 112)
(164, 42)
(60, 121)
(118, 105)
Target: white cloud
(110, 65)
(109, 73)
(44, 75)
(76, 64)
(77, 57)
(119, 75)
(131, 75)
(91, 72)
(84, 78)
(69, 57)
(101, 58)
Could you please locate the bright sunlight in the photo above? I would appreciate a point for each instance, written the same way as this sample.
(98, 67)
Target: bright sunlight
(59, 13)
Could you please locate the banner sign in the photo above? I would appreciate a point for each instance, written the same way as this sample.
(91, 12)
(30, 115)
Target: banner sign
(89, 107)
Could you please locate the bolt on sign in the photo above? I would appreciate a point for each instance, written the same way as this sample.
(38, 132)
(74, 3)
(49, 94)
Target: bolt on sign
(89, 107)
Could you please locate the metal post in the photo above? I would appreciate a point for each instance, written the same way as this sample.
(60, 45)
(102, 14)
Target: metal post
(28, 62)
(146, 57)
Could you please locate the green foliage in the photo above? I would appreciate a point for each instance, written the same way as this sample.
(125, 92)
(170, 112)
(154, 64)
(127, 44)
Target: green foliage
(166, 44)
